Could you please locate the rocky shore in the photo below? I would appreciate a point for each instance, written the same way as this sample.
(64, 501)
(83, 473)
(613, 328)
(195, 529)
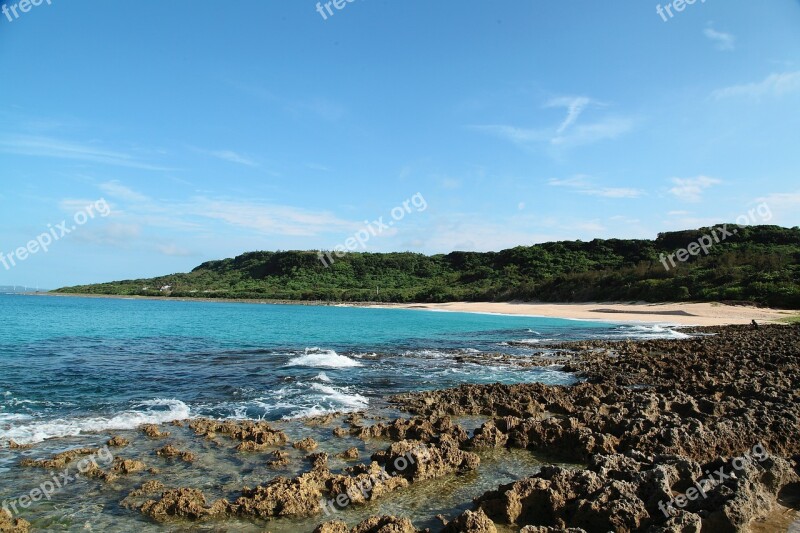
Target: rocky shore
(700, 434)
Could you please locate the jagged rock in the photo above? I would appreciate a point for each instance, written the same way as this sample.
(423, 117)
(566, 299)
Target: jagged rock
(374, 524)
(425, 430)
(9, 524)
(253, 436)
(279, 458)
(416, 460)
(470, 522)
(488, 436)
(297, 497)
(149, 487)
(334, 526)
(117, 442)
(60, 460)
(306, 444)
(153, 431)
(319, 460)
(189, 504)
(340, 432)
(171, 452)
(368, 483)
(350, 454)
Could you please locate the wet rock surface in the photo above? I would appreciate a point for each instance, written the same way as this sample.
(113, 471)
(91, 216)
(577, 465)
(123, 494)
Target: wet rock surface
(374, 524)
(154, 432)
(652, 421)
(253, 436)
(117, 442)
(171, 452)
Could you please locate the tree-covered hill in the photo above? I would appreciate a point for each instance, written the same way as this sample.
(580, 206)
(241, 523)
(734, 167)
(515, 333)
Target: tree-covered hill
(759, 264)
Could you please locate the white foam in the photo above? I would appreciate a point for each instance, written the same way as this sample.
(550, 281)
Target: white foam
(316, 358)
(354, 401)
(48, 429)
(329, 400)
(323, 377)
(656, 331)
(436, 354)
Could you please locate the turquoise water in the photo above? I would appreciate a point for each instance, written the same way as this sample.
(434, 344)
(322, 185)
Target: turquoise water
(75, 365)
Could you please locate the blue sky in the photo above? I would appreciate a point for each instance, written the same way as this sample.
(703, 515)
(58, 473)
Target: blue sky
(212, 129)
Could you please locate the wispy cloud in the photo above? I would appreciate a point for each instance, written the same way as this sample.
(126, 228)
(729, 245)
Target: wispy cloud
(173, 250)
(722, 41)
(605, 129)
(317, 166)
(773, 85)
(195, 214)
(233, 157)
(583, 184)
(514, 134)
(56, 148)
(117, 190)
(570, 131)
(691, 189)
(574, 105)
(785, 206)
(267, 218)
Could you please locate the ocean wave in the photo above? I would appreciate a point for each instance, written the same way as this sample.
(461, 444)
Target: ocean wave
(429, 354)
(327, 399)
(322, 376)
(655, 331)
(157, 411)
(317, 358)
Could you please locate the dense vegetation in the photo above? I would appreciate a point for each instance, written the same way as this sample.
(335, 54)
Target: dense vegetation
(760, 264)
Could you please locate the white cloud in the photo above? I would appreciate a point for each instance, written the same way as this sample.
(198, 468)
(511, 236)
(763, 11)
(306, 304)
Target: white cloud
(606, 129)
(268, 219)
(773, 85)
(784, 208)
(317, 166)
(173, 250)
(116, 190)
(233, 157)
(451, 184)
(515, 134)
(691, 189)
(722, 41)
(119, 235)
(570, 131)
(60, 149)
(585, 185)
(574, 105)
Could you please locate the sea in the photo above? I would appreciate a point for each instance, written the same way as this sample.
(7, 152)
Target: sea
(74, 371)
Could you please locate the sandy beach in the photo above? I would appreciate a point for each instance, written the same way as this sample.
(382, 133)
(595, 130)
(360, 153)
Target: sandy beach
(687, 314)
(684, 314)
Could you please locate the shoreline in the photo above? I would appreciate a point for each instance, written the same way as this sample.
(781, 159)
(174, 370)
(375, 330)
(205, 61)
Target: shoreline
(680, 314)
(382, 470)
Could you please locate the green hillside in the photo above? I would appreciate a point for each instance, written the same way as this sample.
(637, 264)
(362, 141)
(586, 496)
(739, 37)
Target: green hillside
(760, 264)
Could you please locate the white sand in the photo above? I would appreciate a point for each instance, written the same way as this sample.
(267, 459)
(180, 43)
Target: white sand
(698, 314)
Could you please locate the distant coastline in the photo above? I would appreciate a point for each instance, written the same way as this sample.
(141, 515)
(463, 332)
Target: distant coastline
(678, 313)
